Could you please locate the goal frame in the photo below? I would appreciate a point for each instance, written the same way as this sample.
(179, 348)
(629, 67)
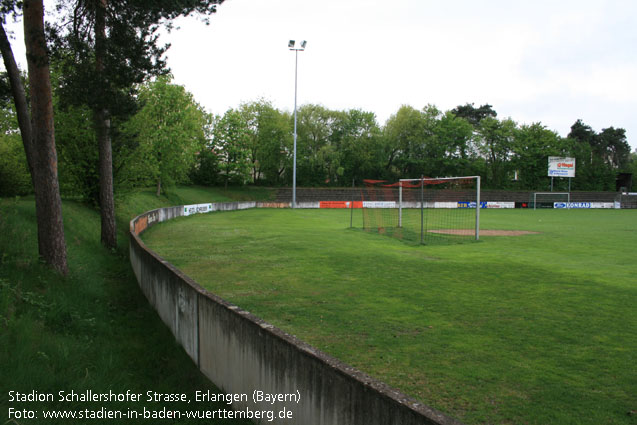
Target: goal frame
(422, 181)
(568, 198)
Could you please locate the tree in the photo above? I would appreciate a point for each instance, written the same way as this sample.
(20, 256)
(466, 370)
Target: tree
(495, 143)
(317, 159)
(276, 146)
(170, 129)
(532, 145)
(615, 148)
(632, 166)
(269, 133)
(599, 156)
(359, 143)
(404, 133)
(38, 130)
(454, 135)
(474, 115)
(15, 177)
(113, 47)
(232, 142)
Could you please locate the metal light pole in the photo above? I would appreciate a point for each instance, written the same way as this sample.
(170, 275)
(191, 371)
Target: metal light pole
(296, 66)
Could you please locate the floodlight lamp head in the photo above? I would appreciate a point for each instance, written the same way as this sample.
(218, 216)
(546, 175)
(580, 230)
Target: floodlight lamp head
(303, 44)
(291, 44)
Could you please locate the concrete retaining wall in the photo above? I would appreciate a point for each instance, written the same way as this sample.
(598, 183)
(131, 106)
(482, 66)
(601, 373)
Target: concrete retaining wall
(241, 353)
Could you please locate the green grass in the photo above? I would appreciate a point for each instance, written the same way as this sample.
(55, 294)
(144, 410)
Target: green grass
(537, 329)
(92, 330)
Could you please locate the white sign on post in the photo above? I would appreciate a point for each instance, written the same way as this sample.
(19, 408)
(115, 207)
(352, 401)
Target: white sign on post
(561, 167)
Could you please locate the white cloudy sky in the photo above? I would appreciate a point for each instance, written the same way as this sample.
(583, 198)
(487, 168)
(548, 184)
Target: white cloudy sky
(551, 61)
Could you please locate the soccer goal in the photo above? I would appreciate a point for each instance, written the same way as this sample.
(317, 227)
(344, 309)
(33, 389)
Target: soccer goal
(551, 200)
(425, 210)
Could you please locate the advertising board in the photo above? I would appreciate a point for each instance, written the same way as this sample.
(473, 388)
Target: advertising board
(379, 204)
(489, 204)
(561, 167)
(197, 208)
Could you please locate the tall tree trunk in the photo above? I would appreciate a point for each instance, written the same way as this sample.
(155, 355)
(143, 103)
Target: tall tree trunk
(51, 244)
(158, 187)
(102, 120)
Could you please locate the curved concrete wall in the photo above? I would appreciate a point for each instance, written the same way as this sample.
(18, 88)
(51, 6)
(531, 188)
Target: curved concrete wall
(241, 353)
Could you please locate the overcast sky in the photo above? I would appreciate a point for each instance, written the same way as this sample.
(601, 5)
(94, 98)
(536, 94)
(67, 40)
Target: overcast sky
(552, 61)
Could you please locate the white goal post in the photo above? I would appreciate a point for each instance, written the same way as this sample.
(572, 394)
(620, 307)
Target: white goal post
(552, 197)
(429, 198)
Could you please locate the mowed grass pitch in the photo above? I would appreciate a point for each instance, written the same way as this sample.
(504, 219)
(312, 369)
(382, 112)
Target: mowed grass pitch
(537, 329)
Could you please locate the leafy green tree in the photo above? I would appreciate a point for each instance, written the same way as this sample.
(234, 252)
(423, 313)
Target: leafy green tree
(495, 144)
(270, 140)
(359, 143)
(403, 134)
(428, 142)
(614, 146)
(318, 162)
(231, 140)
(79, 158)
(15, 178)
(454, 136)
(532, 146)
(474, 115)
(109, 47)
(276, 146)
(599, 156)
(632, 167)
(170, 129)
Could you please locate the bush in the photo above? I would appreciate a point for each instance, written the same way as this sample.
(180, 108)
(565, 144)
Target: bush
(15, 178)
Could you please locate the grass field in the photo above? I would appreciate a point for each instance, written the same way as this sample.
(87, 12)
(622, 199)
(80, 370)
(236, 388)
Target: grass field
(535, 329)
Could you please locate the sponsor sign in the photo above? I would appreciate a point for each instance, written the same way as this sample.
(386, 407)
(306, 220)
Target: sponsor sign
(471, 204)
(572, 205)
(379, 204)
(500, 204)
(485, 204)
(445, 205)
(197, 209)
(333, 204)
(343, 204)
(561, 167)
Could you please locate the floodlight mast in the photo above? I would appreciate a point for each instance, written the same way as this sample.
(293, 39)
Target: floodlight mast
(296, 50)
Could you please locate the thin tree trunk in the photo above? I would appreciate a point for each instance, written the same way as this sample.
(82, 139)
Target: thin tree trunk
(102, 120)
(19, 97)
(158, 187)
(51, 243)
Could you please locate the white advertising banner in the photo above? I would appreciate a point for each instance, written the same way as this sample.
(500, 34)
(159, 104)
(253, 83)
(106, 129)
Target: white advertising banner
(197, 208)
(584, 205)
(561, 167)
(379, 204)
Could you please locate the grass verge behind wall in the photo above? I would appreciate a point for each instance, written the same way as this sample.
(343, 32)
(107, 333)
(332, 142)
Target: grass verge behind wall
(92, 330)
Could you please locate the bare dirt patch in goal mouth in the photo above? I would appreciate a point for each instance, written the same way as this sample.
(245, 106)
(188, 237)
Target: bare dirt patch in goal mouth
(469, 232)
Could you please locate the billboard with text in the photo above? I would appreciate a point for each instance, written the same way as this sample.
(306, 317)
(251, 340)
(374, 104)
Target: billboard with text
(561, 167)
